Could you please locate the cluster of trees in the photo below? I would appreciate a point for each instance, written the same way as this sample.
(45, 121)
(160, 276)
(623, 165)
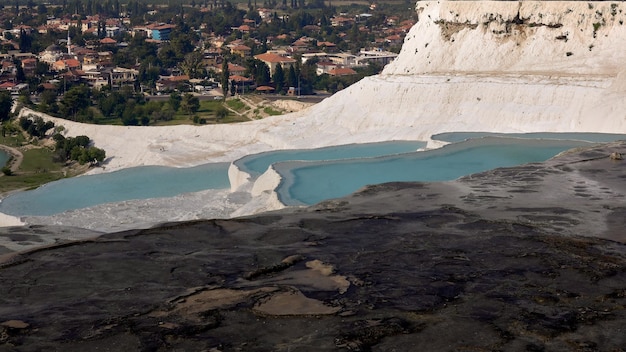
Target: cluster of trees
(133, 109)
(35, 126)
(78, 149)
(83, 104)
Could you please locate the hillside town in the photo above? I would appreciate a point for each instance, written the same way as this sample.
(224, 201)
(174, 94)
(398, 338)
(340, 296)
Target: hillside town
(86, 60)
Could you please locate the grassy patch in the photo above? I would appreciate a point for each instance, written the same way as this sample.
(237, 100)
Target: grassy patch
(36, 169)
(14, 140)
(237, 105)
(206, 111)
(30, 181)
(39, 160)
(232, 118)
(268, 110)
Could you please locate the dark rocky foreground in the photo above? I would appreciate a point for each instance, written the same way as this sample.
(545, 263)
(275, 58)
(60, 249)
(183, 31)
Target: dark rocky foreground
(531, 258)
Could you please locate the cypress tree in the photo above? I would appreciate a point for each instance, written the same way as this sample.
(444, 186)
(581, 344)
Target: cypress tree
(225, 77)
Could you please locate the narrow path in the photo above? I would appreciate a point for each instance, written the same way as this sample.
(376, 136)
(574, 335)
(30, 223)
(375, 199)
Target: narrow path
(237, 112)
(17, 157)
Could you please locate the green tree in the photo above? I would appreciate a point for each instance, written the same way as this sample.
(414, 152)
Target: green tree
(279, 78)
(190, 104)
(5, 105)
(225, 78)
(35, 125)
(221, 112)
(70, 148)
(111, 104)
(48, 96)
(89, 155)
(192, 65)
(292, 78)
(76, 100)
(19, 72)
(262, 73)
(129, 115)
(182, 40)
(25, 41)
(175, 100)
(166, 113)
(167, 55)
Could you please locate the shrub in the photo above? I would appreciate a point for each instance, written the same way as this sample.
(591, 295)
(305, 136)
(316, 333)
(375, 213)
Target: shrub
(7, 171)
(221, 112)
(596, 26)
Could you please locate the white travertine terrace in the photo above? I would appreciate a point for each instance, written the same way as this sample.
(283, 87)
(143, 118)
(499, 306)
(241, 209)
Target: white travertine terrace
(499, 66)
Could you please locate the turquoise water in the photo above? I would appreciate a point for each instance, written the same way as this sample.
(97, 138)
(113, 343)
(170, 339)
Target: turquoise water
(309, 183)
(257, 164)
(155, 182)
(134, 183)
(454, 137)
(4, 157)
(351, 167)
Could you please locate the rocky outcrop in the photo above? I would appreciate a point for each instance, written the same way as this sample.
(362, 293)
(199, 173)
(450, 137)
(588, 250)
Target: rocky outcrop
(507, 260)
(552, 38)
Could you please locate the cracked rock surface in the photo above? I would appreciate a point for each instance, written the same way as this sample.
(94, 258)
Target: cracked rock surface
(526, 258)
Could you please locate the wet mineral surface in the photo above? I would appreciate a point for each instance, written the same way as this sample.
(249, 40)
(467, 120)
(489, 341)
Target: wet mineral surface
(531, 258)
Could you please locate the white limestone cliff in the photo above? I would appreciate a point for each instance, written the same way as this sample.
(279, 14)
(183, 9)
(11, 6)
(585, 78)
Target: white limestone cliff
(524, 37)
(528, 66)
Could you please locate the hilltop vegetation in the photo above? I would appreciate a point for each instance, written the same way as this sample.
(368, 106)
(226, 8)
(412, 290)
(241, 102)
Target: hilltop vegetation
(99, 62)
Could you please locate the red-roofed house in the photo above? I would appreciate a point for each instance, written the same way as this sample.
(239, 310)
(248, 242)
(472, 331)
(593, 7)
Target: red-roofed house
(342, 71)
(394, 39)
(108, 41)
(66, 64)
(7, 85)
(8, 69)
(29, 63)
(325, 67)
(237, 70)
(241, 50)
(328, 47)
(339, 21)
(301, 45)
(48, 86)
(242, 84)
(272, 60)
(238, 78)
(265, 89)
(171, 82)
(244, 28)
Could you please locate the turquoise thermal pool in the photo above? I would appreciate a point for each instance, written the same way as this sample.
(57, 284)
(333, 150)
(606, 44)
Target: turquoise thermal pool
(257, 164)
(309, 176)
(133, 183)
(305, 183)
